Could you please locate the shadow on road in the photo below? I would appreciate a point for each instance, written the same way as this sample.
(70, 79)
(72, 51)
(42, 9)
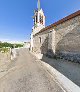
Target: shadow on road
(69, 69)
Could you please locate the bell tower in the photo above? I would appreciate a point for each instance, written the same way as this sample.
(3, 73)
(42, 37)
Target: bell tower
(38, 19)
(38, 23)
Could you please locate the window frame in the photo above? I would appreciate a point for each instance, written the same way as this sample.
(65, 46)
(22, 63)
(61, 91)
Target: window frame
(40, 40)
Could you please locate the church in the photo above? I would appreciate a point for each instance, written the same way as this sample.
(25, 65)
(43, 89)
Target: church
(61, 39)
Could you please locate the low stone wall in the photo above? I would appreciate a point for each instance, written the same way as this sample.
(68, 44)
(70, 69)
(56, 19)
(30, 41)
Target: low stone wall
(74, 57)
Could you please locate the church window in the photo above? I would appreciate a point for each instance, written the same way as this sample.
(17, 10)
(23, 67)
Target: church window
(41, 19)
(34, 21)
(40, 39)
(36, 18)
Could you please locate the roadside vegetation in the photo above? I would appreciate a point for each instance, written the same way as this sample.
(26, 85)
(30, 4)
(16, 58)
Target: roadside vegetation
(5, 47)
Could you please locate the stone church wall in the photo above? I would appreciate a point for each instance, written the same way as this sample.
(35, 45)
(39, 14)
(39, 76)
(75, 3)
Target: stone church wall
(62, 40)
(67, 39)
(45, 44)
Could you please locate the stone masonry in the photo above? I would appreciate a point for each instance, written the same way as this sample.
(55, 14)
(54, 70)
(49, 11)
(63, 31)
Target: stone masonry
(62, 40)
(67, 39)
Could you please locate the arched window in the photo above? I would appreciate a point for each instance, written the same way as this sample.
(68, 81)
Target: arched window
(36, 18)
(40, 19)
(40, 39)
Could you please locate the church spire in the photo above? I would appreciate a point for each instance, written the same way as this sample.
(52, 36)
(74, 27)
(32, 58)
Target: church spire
(38, 5)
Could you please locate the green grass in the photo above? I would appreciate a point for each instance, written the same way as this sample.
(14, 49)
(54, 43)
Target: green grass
(4, 50)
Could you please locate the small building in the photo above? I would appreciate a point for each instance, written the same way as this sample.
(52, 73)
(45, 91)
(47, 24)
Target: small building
(61, 38)
(26, 45)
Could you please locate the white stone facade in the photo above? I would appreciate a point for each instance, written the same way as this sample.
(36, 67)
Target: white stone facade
(39, 23)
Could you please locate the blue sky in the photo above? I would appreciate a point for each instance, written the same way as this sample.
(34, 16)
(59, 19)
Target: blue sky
(16, 16)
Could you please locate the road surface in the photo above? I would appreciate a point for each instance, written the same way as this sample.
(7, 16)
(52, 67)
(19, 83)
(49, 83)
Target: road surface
(70, 69)
(28, 76)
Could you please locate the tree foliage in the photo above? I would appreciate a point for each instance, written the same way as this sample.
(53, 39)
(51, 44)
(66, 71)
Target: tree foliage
(5, 44)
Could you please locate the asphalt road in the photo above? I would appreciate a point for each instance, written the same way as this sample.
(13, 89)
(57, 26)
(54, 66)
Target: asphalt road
(28, 76)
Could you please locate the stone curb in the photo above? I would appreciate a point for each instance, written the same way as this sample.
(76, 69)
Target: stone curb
(66, 84)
